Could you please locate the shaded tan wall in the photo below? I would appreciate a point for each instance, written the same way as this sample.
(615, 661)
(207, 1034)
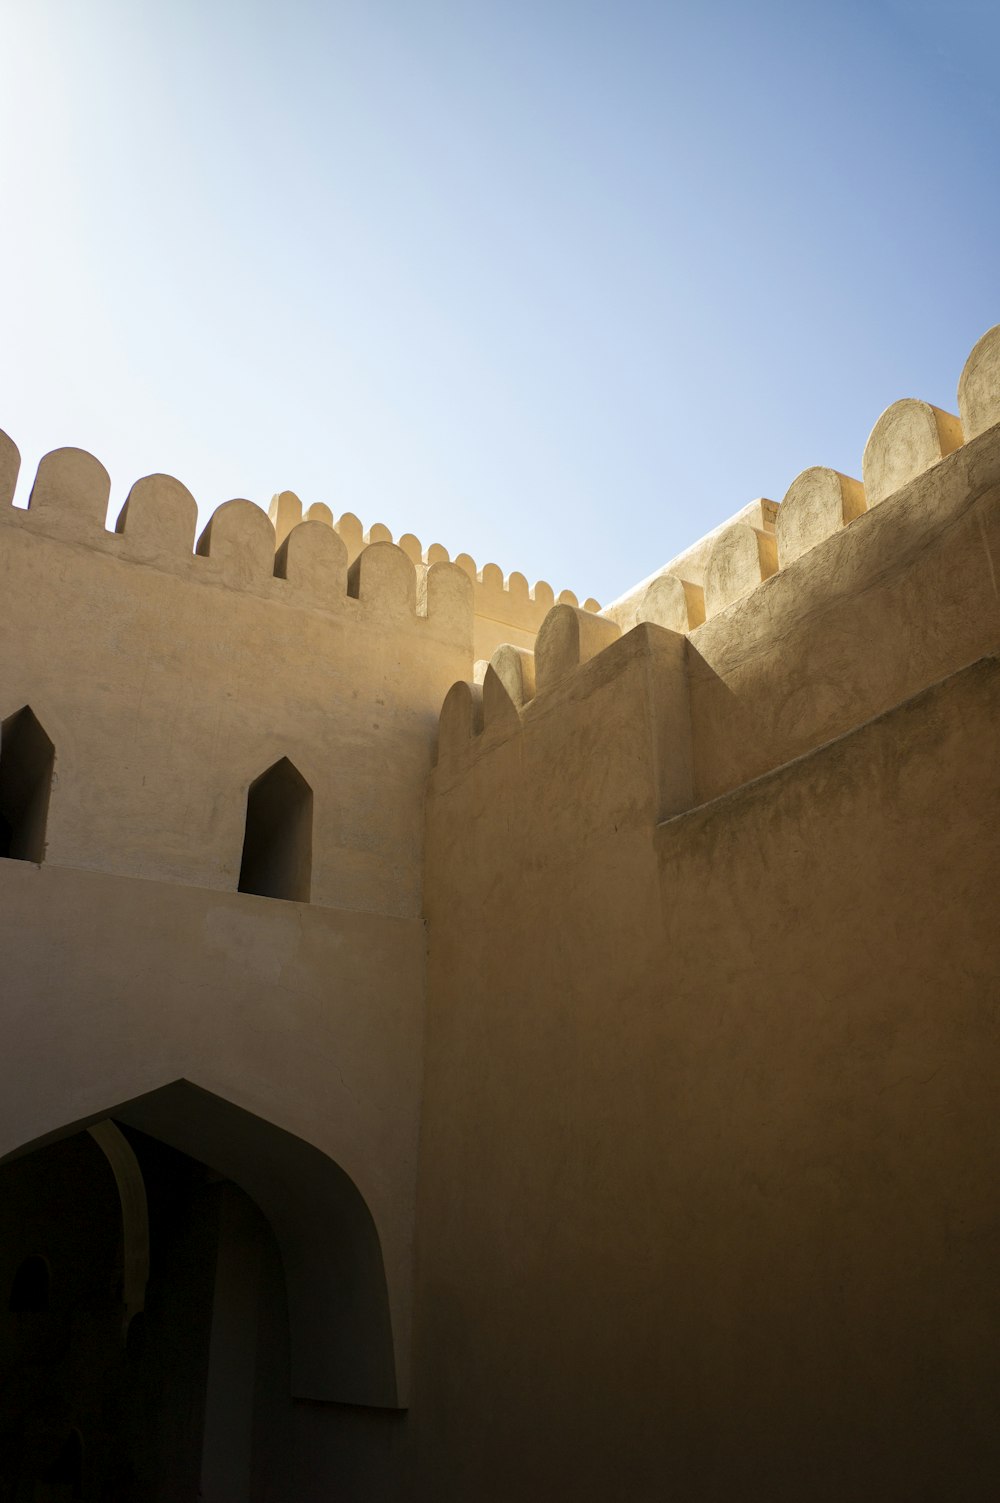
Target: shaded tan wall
(168, 681)
(707, 1151)
(708, 1158)
(305, 1016)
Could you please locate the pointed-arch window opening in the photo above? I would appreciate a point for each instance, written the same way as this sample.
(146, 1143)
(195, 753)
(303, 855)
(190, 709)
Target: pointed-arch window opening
(27, 758)
(277, 844)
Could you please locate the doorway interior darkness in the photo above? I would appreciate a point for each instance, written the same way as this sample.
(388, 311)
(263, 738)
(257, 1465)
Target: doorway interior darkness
(189, 1392)
(178, 1279)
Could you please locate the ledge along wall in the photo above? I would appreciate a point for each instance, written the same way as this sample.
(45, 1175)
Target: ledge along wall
(169, 680)
(712, 1034)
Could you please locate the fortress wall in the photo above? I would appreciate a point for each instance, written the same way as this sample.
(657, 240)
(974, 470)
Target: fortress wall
(506, 608)
(708, 1148)
(543, 918)
(877, 611)
(491, 634)
(808, 617)
(169, 680)
(707, 1151)
(308, 1017)
(805, 621)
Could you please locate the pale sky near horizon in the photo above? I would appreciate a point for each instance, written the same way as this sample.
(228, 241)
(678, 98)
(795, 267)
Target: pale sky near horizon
(559, 285)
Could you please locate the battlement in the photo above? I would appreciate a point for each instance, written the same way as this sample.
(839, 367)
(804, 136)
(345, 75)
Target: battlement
(309, 565)
(171, 674)
(740, 554)
(507, 608)
(315, 554)
(619, 1054)
(776, 599)
(792, 623)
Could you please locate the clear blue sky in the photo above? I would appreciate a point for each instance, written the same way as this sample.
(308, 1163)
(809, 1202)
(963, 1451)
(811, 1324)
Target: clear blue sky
(562, 285)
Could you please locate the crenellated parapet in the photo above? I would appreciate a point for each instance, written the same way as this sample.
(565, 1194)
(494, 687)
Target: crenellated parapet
(172, 670)
(306, 555)
(795, 620)
(507, 608)
(794, 623)
(213, 759)
(514, 677)
(304, 562)
(910, 438)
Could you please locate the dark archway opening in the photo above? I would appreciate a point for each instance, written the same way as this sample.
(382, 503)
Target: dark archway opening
(29, 1293)
(277, 844)
(191, 1398)
(27, 757)
(265, 1331)
(62, 1481)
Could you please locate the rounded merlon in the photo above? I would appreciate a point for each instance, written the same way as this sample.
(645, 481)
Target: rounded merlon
(817, 504)
(979, 386)
(515, 669)
(159, 519)
(742, 557)
(70, 493)
(568, 638)
(908, 438)
(285, 512)
(382, 576)
(10, 466)
(239, 541)
(313, 559)
(672, 603)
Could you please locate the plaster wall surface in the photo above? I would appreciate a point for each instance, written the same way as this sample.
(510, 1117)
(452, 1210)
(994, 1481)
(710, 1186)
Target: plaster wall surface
(664, 1007)
(168, 685)
(894, 601)
(491, 634)
(168, 682)
(309, 1018)
(506, 608)
(718, 1092)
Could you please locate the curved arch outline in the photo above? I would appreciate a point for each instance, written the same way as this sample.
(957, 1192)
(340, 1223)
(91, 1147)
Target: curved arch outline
(340, 1324)
(135, 1212)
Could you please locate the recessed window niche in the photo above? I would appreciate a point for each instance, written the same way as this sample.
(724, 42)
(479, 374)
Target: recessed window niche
(277, 845)
(27, 757)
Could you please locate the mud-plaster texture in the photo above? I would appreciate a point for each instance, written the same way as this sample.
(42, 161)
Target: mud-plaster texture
(594, 1099)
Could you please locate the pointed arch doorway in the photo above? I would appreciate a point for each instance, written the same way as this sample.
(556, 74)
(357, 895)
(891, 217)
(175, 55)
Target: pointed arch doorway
(265, 1283)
